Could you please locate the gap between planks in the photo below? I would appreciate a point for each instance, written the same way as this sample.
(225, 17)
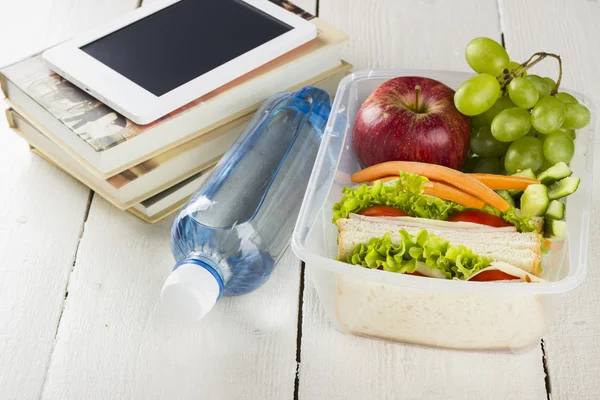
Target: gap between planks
(544, 360)
(500, 23)
(299, 332)
(545, 366)
(86, 214)
(300, 303)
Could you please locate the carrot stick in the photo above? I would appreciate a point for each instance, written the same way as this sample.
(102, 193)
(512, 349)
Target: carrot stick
(496, 182)
(446, 192)
(435, 172)
(450, 193)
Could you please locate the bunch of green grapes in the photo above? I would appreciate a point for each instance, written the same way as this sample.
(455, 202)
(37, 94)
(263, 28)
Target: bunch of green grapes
(519, 121)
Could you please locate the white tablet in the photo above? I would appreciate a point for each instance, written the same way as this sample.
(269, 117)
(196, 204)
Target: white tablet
(161, 57)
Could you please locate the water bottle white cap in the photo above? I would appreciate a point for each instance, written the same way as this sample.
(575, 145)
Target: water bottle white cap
(190, 292)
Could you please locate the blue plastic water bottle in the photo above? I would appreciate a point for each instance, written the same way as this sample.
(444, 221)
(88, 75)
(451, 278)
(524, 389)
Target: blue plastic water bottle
(231, 233)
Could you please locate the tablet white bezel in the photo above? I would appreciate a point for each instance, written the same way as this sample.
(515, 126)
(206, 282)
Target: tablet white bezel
(143, 107)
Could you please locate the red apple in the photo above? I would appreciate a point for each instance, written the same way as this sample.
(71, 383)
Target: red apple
(411, 118)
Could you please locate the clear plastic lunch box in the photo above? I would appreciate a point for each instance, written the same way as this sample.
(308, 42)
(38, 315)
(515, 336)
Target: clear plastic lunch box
(425, 311)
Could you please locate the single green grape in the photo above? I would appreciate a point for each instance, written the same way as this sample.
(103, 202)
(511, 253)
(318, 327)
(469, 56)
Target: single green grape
(548, 115)
(484, 144)
(502, 103)
(470, 164)
(550, 82)
(576, 116)
(488, 166)
(545, 166)
(524, 153)
(513, 64)
(523, 93)
(477, 121)
(477, 94)
(487, 56)
(566, 98)
(511, 124)
(570, 132)
(558, 147)
(541, 85)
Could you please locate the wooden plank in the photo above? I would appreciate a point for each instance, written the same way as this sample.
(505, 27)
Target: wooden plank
(306, 5)
(407, 34)
(114, 344)
(28, 26)
(41, 217)
(571, 30)
(42, 210)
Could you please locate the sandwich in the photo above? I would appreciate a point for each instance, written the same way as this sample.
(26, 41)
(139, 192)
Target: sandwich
(454, 227)
(440, 249)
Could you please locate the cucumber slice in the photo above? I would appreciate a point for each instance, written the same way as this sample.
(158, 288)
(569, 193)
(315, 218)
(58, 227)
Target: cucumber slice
(506, 196)
(563, 188)
(527, 173)
(534, 201)
(555, 229)
(555, 173)
(556, 210)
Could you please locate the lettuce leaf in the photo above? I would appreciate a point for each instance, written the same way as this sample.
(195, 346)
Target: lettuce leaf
(455, 262)
(512, 215)
(406, 194)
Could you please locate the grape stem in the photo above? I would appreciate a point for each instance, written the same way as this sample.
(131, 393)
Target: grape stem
(508, 76)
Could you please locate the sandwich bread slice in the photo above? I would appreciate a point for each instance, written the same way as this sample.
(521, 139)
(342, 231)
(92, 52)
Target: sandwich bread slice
(406, 245)
(521, 250)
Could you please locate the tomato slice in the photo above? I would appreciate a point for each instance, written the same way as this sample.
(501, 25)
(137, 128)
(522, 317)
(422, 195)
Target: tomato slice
(382, 211)
(493, 275)
(479, 217)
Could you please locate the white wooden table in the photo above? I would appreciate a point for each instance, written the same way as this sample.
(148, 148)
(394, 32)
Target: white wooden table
(79, 280)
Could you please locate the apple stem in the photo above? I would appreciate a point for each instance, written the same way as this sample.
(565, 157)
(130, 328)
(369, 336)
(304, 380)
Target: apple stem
(417, 99)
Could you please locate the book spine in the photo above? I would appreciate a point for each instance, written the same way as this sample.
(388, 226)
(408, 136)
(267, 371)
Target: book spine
(3, 85)
(10, 119)
(291, 7)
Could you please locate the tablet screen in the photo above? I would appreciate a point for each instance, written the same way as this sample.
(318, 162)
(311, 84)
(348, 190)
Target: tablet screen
(183, 41)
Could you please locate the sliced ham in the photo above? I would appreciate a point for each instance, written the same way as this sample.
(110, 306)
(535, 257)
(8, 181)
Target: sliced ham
(509, 270)
(427, 223)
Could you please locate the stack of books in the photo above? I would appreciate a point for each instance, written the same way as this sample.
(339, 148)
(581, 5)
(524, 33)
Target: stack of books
(152, 170)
